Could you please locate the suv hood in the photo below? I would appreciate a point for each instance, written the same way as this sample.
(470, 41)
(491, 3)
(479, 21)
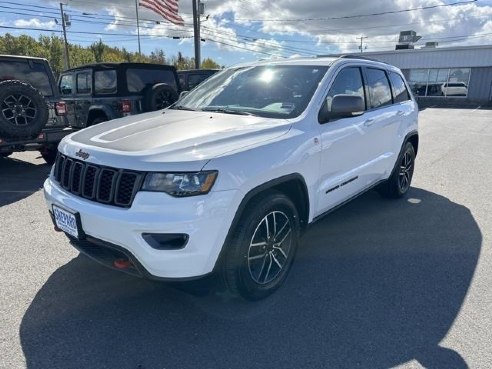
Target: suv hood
(170, 138)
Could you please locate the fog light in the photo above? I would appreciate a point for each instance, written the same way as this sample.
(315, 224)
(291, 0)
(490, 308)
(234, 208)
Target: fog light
(166, 241)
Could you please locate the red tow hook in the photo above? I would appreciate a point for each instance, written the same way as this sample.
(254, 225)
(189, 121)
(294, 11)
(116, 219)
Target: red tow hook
(122, 263)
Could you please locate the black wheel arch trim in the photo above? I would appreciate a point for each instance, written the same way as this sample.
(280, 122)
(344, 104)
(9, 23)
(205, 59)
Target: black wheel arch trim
(272, 184)
(408, 137)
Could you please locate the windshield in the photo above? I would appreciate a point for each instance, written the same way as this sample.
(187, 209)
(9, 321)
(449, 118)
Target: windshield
(275, 91)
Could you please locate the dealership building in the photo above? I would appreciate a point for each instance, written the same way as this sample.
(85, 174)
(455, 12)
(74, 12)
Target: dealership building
(445, 75)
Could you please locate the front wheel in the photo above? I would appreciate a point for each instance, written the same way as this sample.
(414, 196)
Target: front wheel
(262, 248)
(49, 154)
(398, 184)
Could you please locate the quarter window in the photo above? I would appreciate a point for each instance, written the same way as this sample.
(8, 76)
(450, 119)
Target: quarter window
(83, 83)
(400, 92)
(379, 88)
(347, 82)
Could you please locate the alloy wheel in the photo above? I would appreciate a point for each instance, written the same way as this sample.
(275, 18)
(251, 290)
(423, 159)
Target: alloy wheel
(18, 109)
(406, 171)
(269, 247)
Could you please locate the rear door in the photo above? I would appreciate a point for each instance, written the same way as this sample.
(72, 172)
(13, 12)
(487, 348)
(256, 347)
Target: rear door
(83, 100)
(381, 125)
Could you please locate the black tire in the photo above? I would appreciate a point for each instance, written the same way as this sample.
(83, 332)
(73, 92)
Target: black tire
(253, 267)
(98, 120)
(159, 96)
(23, 110)
(49, 153)
(398, 184)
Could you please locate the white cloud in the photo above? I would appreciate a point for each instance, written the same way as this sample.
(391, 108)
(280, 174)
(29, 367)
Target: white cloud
(34, 23)
(314, 19)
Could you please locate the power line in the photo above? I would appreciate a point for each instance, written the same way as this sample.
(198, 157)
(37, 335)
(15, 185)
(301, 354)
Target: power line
(360, 15)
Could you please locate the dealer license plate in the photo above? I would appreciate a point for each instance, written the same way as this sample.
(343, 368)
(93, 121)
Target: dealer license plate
(66, 221)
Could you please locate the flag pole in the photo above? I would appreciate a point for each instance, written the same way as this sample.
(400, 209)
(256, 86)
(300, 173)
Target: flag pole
(138, 28)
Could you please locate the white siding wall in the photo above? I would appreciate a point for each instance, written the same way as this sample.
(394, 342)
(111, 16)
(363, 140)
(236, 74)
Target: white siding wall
(456, 57)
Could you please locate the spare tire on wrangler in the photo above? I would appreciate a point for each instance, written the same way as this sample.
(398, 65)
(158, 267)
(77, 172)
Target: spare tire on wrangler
(23, 110)
(159, 96)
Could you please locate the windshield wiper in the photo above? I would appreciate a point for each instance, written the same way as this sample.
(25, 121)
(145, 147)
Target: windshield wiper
(226, 110)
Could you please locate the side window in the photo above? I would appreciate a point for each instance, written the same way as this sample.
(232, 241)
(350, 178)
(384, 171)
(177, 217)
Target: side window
(84, 83)
(66, 84)
(400, 92)
(379, 88)
(105, 82)
(348, 81)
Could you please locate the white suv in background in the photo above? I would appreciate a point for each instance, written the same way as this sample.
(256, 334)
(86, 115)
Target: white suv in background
(227, 179)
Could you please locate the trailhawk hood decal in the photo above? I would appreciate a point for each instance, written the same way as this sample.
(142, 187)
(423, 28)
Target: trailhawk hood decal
(172, 136)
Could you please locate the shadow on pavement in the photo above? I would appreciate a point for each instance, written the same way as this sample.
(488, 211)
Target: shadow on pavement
(20, 179)
(375, 284)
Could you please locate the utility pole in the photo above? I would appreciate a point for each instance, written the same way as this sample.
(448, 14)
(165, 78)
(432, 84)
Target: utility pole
(67, 58)
(196, 32)
(138, 28)
(361, 48)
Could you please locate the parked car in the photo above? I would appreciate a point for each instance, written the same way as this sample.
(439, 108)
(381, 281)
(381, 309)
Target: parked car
(227, 179)
(32, 116)
(454, 89)
(96, 93)
(189, 79)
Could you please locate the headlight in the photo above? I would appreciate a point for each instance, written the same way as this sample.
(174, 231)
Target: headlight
(180, 184)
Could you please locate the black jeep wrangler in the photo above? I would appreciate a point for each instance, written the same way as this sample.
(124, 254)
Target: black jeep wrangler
(32, 116)
(99, 92)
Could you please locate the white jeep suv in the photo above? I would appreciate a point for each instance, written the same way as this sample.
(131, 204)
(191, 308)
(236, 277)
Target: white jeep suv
(226, 180)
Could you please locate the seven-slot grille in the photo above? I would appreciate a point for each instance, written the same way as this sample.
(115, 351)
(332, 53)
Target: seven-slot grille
(97, 183)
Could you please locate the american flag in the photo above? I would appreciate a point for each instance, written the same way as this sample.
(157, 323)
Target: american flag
(167, 8)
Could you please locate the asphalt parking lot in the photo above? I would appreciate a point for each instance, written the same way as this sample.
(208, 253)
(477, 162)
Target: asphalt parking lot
(376, 284)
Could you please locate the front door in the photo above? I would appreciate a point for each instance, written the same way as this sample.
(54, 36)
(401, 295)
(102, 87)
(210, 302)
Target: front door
(345, 150)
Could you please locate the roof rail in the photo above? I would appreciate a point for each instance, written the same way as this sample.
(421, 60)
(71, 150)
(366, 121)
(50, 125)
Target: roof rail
(354, 56)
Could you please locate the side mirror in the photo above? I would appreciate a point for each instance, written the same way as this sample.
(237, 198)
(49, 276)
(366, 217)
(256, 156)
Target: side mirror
(342, 106)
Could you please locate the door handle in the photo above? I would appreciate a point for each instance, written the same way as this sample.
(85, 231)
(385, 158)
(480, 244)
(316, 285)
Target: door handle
(369, 122)
(400, 113)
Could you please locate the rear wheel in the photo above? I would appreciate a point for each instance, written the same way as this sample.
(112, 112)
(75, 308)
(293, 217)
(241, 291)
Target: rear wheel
(263, 246)
(98, 120)
(398, 184)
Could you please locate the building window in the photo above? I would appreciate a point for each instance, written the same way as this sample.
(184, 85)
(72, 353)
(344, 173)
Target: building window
(443, 82)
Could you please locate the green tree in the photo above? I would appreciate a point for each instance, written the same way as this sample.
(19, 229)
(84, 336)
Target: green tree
(98, 49)
(51, 47)
(209, 64)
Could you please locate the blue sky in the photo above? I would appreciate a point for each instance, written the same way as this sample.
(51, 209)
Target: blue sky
(244, 30)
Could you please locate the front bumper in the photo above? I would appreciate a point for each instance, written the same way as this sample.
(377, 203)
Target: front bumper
(206, 219)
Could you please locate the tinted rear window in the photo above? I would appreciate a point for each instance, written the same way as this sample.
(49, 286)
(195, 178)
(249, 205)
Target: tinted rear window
(33, 73)
(139, 79)
(379, 89)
